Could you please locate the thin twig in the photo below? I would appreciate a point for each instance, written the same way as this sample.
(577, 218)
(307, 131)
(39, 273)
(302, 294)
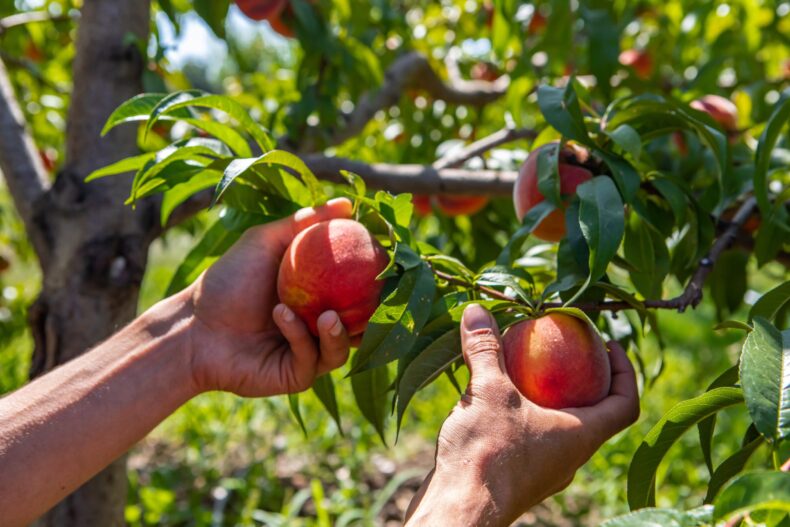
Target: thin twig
(478, 148)
(29, 17)
(691, 296)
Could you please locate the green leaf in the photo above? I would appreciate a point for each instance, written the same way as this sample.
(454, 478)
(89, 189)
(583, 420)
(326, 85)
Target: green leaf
(762, 158)
(370, 389)
(644, 464)
(733, 324)
(764, 490)
(123, 166)
(324, 389)
(214, 13)
(138, 108)
(426, 367)
(224, 133)
(727, 281)
(602, 223)
(560, 107)
(765, 377)
(293, 404)
(771, 302)
(214, 243)
(628, 139)
(548, 175)
(706, 427)
(674, 196)
(531, 220)
(502, 276)
(180, 101)
(730, 467)
(396, 323)
(604, 47)
(240, 167)
(181, 192)
(651, 517)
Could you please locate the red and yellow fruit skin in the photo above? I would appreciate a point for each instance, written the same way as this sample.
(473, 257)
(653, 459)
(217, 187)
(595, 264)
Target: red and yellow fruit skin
(526, 194)
(460, 205)
(640, 61)
(722, 110)
(557, 361)
(261, 9)
(333, 265)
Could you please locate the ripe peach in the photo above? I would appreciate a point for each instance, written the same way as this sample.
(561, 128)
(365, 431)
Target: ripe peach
(537, 23)
(557, 361)
(484, 71)
(333, 265)
(640, 61)
(722, 110)
(261, 9)
(526, 194)
(422, 204)
(460, 205)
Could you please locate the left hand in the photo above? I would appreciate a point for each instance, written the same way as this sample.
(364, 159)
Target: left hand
(243, 341)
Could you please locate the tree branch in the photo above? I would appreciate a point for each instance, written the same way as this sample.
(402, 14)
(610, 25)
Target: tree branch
(29, 17)
(412, 70)
(20, 163)
(459, 157)
(691, 296)
(421, 179)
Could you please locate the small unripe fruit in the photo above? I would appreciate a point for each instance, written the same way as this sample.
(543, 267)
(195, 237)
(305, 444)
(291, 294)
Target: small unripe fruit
(460, 205)
(722, 110)
(261, 9)
(526, 194)
(333, 265)
(557, 361)
(640, 61)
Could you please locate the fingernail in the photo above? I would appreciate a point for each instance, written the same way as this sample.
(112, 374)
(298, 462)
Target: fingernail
(337, 327)
(476, 317)
(304, 213)
(286, 313)
(335, 201)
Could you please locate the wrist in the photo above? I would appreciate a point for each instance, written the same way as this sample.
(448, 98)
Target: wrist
(169, 327)
(455, 498)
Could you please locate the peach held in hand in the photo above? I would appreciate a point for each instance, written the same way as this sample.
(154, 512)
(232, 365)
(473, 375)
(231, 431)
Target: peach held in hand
(333, 265)
(557, 361)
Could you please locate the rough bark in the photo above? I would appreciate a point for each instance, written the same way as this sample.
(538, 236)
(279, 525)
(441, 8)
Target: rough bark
(94, 249)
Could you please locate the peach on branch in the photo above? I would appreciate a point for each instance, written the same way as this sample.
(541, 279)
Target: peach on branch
(638, 60)
(422, 204)
(452, 205)
(557, 361)
(722, 110)
(333, 265)
(526, 194)
(261, 9)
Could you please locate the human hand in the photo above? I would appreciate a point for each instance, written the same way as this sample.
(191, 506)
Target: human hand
(243, 341)
(498, 453)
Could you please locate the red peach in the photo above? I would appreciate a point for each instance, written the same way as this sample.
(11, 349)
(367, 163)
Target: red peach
(722, 110)
(261, 9)
(557, 361)
(460, 205)
(483, 71)
(422, 204)
(640, 61)
(333, 265)
(526, 194)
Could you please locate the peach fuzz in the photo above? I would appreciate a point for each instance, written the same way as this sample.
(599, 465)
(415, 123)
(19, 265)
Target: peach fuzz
(526, 194)
(557, 361)
(333, 265)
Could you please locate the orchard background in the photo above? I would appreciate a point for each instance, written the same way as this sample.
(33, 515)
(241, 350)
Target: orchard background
(678, 248)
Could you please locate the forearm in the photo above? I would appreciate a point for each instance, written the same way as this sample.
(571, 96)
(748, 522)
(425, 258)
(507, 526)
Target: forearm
(63, 428)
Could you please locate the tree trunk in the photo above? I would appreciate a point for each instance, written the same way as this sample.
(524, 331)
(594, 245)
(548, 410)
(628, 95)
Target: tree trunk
(93, 249)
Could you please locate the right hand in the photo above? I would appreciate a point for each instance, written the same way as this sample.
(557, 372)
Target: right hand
(498, 453)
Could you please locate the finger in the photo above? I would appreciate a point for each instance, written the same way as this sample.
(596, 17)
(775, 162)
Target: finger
(481, 345)
(304, 353)
(621, 407)
(334, 342)
(277, 235)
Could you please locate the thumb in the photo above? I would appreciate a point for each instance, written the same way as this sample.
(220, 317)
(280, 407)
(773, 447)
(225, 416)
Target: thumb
(481, 345)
